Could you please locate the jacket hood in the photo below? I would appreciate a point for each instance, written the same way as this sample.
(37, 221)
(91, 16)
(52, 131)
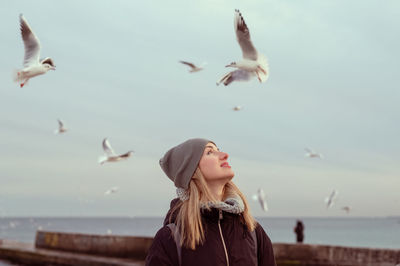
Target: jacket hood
(173, 216)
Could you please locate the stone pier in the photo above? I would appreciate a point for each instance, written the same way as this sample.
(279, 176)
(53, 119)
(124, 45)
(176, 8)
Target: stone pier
(56, 248)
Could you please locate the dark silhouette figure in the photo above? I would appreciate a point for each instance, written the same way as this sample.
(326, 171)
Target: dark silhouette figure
(299, 230)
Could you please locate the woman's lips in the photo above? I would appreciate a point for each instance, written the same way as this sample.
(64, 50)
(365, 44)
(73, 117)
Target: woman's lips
(225, 164)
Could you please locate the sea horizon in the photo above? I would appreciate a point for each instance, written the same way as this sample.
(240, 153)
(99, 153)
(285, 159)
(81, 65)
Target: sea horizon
(369, 232)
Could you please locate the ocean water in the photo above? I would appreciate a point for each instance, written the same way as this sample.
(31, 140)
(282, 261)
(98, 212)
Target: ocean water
(354, 232)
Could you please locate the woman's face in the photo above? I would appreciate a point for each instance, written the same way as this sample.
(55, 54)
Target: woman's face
(214, 165)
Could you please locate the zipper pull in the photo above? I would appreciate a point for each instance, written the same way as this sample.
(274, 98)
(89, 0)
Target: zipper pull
(220, 214)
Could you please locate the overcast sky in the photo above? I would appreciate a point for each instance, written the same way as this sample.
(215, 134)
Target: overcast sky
(333, 87)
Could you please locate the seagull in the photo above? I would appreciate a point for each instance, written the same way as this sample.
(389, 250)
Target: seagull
(346, 209)
(312, 154)
(111, 190)
(260, 196)
(331, 199)
(253, 63)
(110, 155)
(237, 108)
(193, 67)
(33, 66)
(61, 128)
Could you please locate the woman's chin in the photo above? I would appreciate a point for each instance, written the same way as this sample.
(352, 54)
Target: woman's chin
(230, 177)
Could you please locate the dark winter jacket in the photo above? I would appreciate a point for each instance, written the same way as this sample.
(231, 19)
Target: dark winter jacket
(238, 241)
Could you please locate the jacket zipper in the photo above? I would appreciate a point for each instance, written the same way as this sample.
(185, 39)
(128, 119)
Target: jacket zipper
(222, 237)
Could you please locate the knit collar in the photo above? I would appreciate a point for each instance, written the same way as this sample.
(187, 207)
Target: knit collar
(232, 205)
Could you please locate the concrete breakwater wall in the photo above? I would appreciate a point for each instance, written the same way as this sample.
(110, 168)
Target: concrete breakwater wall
(104, 245)
(55, 248)
(323, 255)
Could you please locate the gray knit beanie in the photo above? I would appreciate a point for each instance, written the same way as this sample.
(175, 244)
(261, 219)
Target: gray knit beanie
(180, 162)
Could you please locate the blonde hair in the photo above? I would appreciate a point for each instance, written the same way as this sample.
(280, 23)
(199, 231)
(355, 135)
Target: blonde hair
(188, 219)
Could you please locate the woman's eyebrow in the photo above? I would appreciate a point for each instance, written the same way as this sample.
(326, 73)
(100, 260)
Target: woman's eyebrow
(211, 147)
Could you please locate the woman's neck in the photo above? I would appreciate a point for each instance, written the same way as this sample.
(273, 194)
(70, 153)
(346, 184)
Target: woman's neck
(216, 190)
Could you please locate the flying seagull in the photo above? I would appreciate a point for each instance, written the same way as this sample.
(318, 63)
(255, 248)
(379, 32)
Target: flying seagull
(33, 66)
(253, 63)
(312, 154)
(260, 196)
(331, 199)
(346, 209)
(193, 67)
(61, 128)
(237, 108)
(111, 190)
(110, 155)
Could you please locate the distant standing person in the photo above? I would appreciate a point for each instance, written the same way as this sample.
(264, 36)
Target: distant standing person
(299, 230)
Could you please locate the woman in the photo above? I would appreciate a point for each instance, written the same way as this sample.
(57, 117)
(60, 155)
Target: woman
(209, 223)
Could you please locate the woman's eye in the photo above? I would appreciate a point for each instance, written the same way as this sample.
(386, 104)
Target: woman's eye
(209, 152)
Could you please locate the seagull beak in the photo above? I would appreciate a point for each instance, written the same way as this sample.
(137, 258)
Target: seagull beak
(53, 68)
(228, 65)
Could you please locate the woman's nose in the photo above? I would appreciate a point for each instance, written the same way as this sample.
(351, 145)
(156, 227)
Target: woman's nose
(223, 155)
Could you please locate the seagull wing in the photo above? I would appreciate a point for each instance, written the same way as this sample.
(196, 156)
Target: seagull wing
(60, 124)
(187, 63)
(331, 198)
(237, 75)
(107, 147)
(262, 199)
(31, 43)
(111, 190)
(264, 205)
(334, 194)
(126, 155)
(47, 60)
(331, 195)
(243, 37)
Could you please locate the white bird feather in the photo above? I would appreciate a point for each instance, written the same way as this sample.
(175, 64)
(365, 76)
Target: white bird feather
(33, 66)
(110, 155)
(252, 64)
(312, 154)
(111, 190)
(330, 201)
(193, 67)
(262, 199)
(61, 128)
